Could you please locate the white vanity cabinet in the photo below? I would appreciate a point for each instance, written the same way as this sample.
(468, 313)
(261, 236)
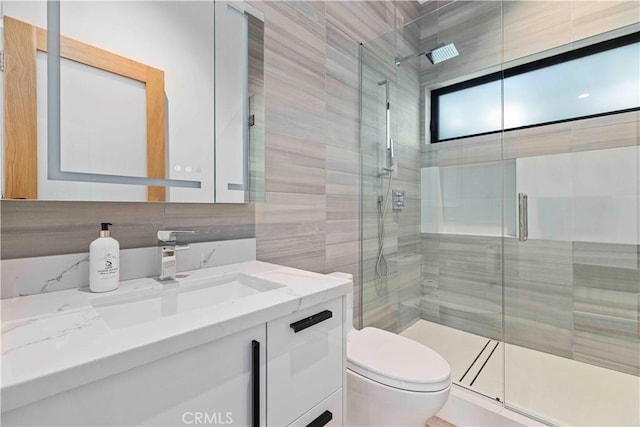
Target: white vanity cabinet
(297, 358)
(271, 355)
(211, 384)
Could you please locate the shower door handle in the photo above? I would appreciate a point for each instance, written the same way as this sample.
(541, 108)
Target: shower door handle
(523, 218)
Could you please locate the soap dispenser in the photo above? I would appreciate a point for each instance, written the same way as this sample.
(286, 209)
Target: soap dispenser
(104, 262)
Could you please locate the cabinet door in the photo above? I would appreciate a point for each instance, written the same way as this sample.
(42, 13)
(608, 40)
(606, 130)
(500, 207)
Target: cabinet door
(304, 367)
(211, 384)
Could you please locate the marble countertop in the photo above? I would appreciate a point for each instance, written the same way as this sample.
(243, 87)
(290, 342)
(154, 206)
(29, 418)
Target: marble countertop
(57, 341)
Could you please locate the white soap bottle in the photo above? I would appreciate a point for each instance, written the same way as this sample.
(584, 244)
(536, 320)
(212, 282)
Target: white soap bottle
(104, 262)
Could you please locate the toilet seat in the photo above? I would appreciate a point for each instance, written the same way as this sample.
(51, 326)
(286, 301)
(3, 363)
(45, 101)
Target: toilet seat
(396, 361)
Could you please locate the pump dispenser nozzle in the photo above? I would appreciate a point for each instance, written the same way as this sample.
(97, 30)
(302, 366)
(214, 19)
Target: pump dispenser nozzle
(104, 229)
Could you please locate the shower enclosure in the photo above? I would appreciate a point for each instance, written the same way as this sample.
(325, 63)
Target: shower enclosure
(500, 201)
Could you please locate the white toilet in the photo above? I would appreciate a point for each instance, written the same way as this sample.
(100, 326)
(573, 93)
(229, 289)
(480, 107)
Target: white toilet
(392, 380)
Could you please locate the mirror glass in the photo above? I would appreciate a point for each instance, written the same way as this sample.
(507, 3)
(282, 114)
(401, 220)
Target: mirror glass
(133, 101)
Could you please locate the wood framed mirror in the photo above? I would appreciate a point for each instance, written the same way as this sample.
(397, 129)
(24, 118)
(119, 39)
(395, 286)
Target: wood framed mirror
(22, 41)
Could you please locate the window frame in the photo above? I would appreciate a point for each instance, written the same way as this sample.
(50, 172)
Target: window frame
(525, 68)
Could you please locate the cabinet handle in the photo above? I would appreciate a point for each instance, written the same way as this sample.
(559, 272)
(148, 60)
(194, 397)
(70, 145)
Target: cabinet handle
(311, 320)
(255, 372)
(322, 420)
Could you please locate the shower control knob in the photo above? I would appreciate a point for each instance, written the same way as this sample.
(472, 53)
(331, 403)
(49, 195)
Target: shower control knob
(397, 199)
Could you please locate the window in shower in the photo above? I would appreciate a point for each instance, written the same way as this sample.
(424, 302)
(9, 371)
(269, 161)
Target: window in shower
(596, 80)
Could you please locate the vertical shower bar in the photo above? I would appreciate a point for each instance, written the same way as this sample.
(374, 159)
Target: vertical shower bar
(387, 119)
(381, 262)
(388, 140)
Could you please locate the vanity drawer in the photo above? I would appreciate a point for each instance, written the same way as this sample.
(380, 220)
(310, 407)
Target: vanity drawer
(303, 367)
(328, 413)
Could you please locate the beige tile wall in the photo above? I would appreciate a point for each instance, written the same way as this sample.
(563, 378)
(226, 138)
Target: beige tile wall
(534, 26)
(311, 216)
(39, 228)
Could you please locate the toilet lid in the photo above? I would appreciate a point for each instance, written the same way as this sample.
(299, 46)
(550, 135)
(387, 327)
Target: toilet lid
(396, 361)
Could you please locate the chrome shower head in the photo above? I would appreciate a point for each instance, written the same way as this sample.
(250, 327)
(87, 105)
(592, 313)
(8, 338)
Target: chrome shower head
(442, 53)
(435, 56)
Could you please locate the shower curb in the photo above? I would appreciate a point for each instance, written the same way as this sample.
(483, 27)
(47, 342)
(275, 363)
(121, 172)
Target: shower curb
(466, 408)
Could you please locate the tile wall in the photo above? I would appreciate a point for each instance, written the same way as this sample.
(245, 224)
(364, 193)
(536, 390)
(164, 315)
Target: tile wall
(311, 216)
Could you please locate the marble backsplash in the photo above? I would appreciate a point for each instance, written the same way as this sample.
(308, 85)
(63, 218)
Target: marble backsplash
(28, 276)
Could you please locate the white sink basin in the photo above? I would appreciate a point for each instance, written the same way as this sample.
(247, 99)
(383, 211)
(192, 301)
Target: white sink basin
(145, 305)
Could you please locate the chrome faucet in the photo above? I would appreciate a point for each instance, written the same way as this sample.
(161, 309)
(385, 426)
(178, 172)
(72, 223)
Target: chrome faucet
(168, 245)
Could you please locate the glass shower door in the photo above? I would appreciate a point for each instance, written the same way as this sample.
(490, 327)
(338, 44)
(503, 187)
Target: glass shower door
(571, 278)
(571, 289)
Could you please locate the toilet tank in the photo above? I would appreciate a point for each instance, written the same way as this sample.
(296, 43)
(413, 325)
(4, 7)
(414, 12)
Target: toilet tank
(348, 320)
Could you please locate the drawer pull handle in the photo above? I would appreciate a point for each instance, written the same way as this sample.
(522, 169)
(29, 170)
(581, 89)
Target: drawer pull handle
(255, 368)
(311, 320)
(322, 420)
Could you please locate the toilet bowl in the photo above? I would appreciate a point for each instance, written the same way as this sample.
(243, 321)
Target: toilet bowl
(391, 380)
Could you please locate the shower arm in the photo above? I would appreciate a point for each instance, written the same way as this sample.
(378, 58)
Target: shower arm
(404, 58)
